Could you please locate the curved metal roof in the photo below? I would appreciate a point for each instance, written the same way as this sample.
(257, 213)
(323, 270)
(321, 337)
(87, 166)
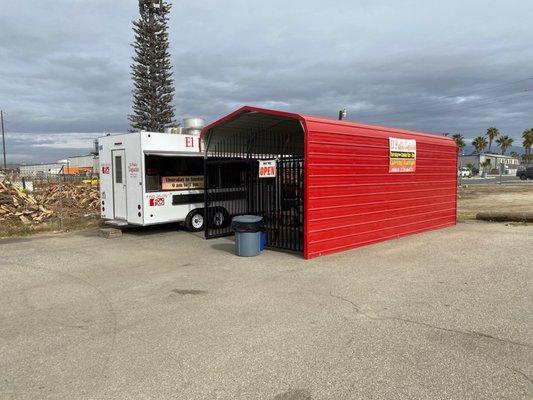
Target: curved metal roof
(248, 116)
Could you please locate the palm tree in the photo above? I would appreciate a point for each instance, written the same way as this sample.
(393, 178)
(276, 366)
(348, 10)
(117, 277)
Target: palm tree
(492, 133)
(527, 142)
(486, 165)
(479, 144)
(459, 141)
(504, 142)
(514, 154)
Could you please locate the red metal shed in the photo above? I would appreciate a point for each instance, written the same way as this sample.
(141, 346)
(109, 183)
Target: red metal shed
(339, 184)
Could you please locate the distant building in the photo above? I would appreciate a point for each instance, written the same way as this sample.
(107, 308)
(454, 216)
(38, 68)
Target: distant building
(77, 165)
(477, 160)
(85, 161)
(88, 163)
(36, 170)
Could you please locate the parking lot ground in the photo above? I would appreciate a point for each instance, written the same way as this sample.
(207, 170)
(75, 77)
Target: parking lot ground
(161, 314)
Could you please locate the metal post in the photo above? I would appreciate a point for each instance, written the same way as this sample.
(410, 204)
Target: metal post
(459, 163)
(501, 168)
(60, 200)
(3, 138)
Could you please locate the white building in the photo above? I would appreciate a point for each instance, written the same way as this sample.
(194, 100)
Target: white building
(510, 164)
(41, 170)
(86, 161)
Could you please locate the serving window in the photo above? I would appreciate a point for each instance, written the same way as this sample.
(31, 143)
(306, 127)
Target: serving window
(165, 173)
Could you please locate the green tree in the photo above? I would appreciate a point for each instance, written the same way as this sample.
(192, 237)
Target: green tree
(151, 70)
(479, 143)
(459, 141)
(527, 142)
(492, 133)
(504, 142)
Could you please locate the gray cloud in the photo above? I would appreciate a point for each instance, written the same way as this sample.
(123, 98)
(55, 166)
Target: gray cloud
(426, 65)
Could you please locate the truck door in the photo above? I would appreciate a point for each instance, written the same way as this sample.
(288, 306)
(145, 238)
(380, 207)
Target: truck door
(119, 184)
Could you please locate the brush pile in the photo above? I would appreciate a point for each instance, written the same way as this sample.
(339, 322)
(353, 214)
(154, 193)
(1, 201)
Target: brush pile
(17, 206)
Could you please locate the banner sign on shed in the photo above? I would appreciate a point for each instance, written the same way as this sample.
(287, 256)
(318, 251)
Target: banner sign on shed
(182, 182)
(402, 155)
(267, 168)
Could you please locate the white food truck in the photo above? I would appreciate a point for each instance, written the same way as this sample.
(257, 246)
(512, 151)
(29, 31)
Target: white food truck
(149, 178)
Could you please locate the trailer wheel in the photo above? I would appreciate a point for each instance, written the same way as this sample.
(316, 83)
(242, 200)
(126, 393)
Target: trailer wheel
(219, 217)
(195, 220)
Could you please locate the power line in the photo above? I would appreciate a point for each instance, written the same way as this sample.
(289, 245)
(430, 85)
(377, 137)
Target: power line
(478, 102)
(391, 120)
(462, 95)
(3, 137)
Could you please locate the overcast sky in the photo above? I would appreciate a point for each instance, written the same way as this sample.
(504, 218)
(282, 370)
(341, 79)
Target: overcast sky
(436, 66)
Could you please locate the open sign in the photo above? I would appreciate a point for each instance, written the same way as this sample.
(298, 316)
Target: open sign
(267, 168)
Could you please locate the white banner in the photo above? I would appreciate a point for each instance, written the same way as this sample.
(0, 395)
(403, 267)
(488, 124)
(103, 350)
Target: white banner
(267, 168)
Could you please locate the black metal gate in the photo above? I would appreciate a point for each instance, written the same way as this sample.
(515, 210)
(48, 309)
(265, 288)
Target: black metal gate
(233, 187)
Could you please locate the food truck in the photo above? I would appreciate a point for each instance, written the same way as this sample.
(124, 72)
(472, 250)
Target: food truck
(149, 178)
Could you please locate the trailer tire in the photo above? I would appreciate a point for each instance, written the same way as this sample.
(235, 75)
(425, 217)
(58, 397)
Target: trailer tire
(219, 217)
(195, 220)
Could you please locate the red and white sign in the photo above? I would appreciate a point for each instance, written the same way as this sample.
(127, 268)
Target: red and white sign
(106, 169)
(133, 169)
(267, 168)
(156, 201)
(402, 155)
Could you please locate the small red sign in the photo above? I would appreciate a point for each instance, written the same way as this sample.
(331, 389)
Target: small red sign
(157, 201)
(105, 169)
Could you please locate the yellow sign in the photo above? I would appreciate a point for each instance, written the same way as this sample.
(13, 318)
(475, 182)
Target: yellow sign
(402, 155)
(182, 182)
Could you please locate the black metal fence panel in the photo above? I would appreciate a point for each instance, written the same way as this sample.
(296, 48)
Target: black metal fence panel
(233, 185)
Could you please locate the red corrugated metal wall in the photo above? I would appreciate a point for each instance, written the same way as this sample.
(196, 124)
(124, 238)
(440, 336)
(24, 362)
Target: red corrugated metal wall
(353, 200)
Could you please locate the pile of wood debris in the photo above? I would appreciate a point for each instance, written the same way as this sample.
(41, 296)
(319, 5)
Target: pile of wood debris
(75, 200)
(66, 200)
(15, 205)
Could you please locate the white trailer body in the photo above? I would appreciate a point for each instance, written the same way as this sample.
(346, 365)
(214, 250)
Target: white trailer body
(151, 178)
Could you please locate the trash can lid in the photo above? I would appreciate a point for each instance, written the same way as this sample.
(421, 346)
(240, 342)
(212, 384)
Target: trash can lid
(248, 218)
(247, 223)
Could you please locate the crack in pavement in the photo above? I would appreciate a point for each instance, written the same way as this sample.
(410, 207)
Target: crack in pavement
(510, 368)
(411, 321)
(440, 328)
(110, 309)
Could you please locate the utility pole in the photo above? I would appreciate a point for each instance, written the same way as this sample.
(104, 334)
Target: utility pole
(3, 138)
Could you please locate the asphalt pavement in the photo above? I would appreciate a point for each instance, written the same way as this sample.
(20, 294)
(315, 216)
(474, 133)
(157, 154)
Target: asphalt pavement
(164, 314)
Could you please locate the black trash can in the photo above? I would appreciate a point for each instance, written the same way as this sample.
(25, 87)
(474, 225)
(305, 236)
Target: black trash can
(247, 230)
